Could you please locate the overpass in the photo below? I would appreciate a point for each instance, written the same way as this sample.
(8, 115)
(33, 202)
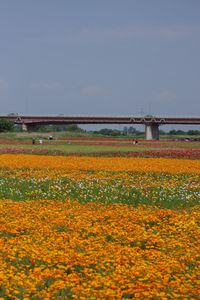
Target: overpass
(151, 123)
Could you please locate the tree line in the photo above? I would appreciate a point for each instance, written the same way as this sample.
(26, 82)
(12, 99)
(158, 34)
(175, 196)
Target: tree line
(6, 125)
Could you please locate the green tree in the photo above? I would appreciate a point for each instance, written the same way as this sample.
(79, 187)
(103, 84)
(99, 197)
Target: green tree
(6, 125)
(125, 130)
(193, 132)
(172, 132)
(58, 127)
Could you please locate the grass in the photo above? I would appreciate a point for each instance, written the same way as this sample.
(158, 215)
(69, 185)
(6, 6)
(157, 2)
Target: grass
(127, 188)
(62, 145)
(75, 148)
(79, 148)
(69, 134)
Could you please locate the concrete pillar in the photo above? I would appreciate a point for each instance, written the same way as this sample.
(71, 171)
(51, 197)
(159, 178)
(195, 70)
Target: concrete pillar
(151, 131)
(28, 127)
(24, 127)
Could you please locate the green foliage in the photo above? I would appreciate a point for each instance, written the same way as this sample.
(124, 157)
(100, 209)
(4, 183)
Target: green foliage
(115, 132)
(58, 128)
(103, 191)
(6, 125)
(181, 132)
(193, 132)
(162, 132)
(108, 132)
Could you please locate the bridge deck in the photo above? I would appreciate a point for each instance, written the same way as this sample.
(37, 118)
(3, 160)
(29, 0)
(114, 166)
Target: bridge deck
(44, 120)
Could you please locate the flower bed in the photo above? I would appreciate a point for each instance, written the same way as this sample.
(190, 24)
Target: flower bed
(99, 228)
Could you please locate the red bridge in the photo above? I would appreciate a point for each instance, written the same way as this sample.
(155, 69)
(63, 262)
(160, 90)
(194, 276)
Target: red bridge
(151, 122)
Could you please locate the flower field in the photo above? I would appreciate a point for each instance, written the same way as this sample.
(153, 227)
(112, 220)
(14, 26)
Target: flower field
(99, 227)
(105, 147)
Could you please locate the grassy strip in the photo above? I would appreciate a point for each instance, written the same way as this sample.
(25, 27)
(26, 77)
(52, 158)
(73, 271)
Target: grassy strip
(163, 190)
(73, 148)
(82, 150)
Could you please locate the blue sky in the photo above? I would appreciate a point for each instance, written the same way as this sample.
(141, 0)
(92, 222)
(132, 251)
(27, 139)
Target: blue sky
(113, 57)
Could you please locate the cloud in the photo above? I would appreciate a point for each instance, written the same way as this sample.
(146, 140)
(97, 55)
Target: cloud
(93, 90)
(45, 85)
(3, 84)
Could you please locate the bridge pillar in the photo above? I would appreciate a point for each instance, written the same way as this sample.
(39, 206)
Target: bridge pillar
(151, 131)
(28, 127)
(24, 127)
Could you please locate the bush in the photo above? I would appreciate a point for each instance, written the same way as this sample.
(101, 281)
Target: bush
(6, 125)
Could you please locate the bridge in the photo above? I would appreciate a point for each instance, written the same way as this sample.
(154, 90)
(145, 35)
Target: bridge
(151, 123)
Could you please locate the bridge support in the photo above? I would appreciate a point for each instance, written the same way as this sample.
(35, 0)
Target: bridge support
(151, 131)
(24, 127)
(28, 127)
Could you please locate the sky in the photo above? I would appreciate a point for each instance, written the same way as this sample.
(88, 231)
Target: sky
(100, 57)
